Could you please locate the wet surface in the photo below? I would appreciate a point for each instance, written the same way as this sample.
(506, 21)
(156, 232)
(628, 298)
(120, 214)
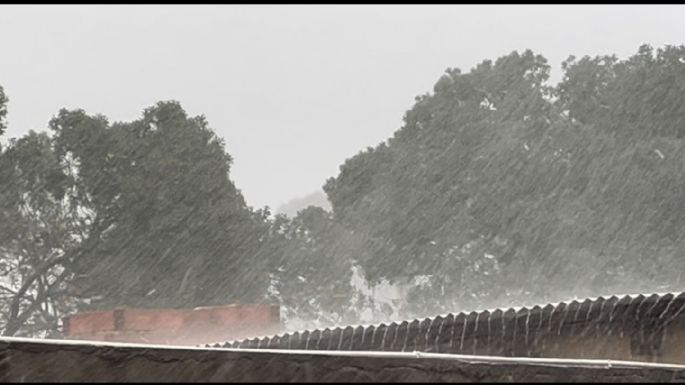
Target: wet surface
(57, 361)
(522, 332)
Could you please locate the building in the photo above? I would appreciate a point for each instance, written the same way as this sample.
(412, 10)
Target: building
(537, 344)
(174, 326)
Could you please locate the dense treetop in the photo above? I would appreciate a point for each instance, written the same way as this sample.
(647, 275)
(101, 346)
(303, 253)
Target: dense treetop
(574, 187)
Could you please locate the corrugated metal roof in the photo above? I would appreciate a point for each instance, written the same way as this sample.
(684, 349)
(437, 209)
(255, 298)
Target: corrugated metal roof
(663, 307)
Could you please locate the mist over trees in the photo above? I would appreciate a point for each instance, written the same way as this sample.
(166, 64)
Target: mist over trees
(498, 189)
(291, 207)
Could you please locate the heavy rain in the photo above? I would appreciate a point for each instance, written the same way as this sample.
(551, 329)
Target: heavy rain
(493, 184)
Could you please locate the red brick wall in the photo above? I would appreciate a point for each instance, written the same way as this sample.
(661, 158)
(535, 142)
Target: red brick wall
(174, 326)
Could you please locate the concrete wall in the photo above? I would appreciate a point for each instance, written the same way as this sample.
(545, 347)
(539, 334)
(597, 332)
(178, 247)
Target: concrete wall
(23, 360)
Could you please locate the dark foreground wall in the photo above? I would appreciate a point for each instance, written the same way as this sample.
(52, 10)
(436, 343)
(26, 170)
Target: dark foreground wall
(62, 361)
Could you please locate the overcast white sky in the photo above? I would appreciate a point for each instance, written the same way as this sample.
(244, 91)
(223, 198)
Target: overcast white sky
(294, 90)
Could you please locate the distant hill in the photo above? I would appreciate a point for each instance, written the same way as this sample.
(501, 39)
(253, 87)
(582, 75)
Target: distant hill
(291, 207)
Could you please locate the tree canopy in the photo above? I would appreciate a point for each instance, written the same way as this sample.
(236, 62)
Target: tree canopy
(3, 110)
(497, 188)
(131, 214)
(573, 187)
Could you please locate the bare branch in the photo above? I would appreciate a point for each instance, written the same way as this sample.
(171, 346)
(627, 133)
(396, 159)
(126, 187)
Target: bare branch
(16, 320)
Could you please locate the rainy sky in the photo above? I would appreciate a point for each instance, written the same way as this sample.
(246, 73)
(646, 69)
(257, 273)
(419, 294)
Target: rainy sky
(294, 90)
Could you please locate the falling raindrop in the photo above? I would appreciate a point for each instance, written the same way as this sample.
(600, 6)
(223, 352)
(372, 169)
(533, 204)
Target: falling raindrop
(385, 333)
(475, 335)
(426, 344)
(463, 333)
(527, 331)
(436, 342)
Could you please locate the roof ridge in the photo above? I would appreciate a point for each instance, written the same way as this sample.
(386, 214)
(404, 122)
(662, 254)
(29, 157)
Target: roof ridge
(489, 310)
(462, 314)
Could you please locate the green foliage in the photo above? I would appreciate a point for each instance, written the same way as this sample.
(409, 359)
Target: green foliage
(169, 228)
(3, 110)
(402, 194)
(312, 258)
(100, 215)
(497, 188)
(39, 230)
(563, 186)
(639, 97)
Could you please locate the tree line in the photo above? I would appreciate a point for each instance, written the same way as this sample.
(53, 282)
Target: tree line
(497, 188)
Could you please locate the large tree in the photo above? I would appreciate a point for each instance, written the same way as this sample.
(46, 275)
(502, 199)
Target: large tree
(98, 215)
(498, 187)
(39, 231)
(168, 225)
